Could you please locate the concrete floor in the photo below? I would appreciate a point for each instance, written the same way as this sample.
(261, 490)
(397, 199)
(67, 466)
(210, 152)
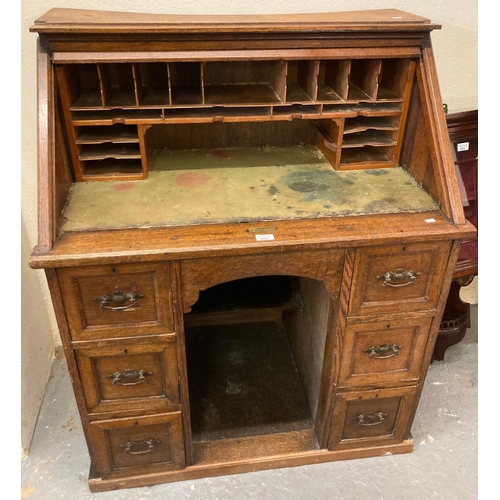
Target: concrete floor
(443, 465)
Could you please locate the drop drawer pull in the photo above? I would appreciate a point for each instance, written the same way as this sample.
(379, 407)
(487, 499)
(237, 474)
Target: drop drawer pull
(129, 376)
(139, 446)
(371, 418)
(117, 301)
(398, 278)
(383, 351)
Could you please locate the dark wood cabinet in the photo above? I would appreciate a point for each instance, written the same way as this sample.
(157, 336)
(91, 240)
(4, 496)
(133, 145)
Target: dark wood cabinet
(249, 227)
(463, 131)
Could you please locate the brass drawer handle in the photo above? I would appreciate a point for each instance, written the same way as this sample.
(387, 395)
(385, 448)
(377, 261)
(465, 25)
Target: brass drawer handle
(119, 300)
(371, 418)
(139, 446)
(129, 376)
(398, 278)
(383, 351)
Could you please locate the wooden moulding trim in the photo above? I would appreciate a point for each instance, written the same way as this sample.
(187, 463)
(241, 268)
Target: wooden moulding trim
(333, 347)
(173, 243)
(97, 21)
(434, 330)
(46, 151)
(466, 267)
(462, 125)
(439, 131)
(404, 112)
(61, 318)
(138, 340)
(182, 362)
(290, 460)
(226, 55)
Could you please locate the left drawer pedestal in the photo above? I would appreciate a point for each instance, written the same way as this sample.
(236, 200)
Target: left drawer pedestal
(123, 340)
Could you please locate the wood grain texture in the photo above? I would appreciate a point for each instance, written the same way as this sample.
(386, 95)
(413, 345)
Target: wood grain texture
(241, 449)
(64, 332)
(377, 289)
(147, 311)
(230, 50)
(333, 352)
(434, 330)
(138, 445)
(372, 362)
(77, 20)
(47, 216)
(122, 380)
(97, 484)
(64, 86)
(181, 361)
(63, 174)
(307, 330)
(371, 417)
(441, 136)
(235, 239)
(201, 274)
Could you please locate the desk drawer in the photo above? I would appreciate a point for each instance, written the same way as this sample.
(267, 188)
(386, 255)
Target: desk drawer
(371, 418)
(139, 445)
(398, 278)
(130, 378)
(383, 351)
(117, 301)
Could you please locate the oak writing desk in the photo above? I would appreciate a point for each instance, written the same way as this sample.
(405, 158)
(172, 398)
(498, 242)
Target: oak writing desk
(249, 226)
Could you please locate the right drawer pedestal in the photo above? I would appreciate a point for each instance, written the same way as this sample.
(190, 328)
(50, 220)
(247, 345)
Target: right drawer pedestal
(394, 296)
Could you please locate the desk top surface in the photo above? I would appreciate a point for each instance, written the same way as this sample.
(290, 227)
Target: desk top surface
(64, 20)
(195, 187)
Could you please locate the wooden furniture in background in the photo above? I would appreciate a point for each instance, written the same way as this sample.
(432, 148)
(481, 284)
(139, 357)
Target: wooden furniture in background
(249, 226)
(463, 130)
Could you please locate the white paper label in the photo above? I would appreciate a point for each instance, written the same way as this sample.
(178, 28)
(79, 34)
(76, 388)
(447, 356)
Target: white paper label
(264, 237)
(463, 146)
(430, 220)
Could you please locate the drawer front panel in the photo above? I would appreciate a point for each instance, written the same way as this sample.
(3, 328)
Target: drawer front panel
(383, 351)
(141, 445)
(116, 301)
(124, 379)
(398, 278)
(371, 418)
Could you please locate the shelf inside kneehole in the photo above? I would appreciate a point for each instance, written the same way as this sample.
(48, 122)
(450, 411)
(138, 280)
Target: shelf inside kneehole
(257, 299)
(248, 379)
(243, 382)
